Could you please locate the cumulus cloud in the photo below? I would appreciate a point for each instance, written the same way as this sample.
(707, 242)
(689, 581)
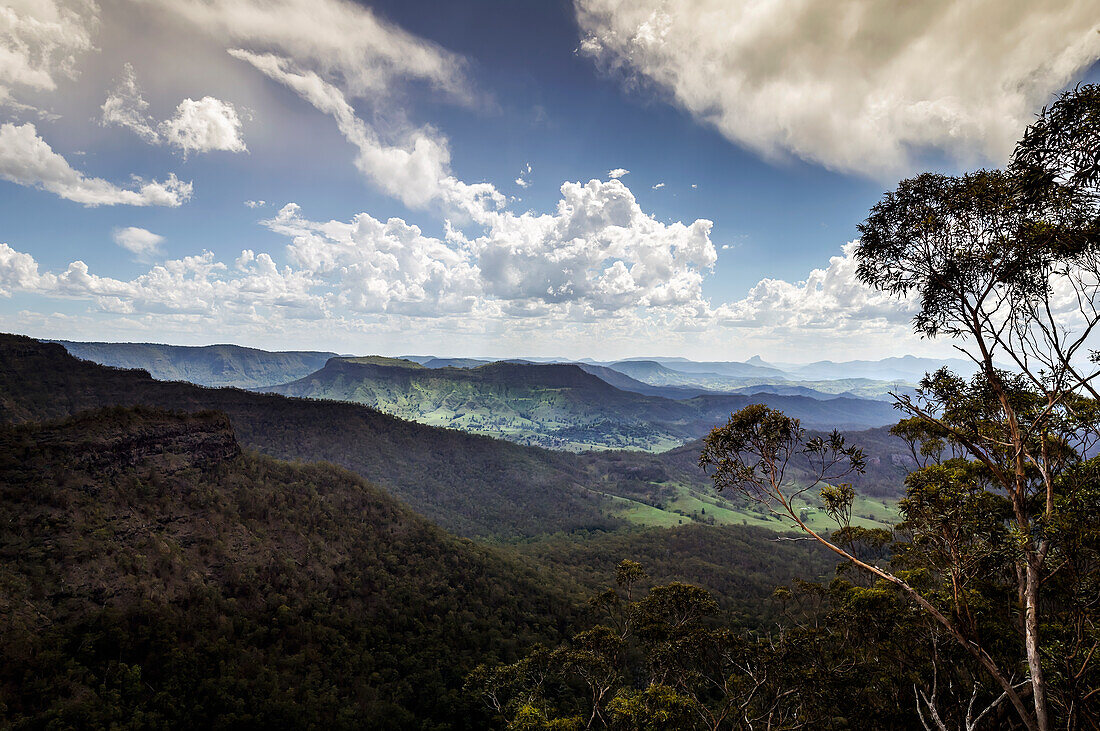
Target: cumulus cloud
(617, 173)
(197, 126)
(855, 86)
(204, 125)
(339, 40)
(374, 266)
(40, 41)
(138, 241)
(195, 285)
(599, 249)
(830, 301)
(255, 204)
(658, 186)
(598, 252)
(597, 256)
(26, 159)
(366, 275)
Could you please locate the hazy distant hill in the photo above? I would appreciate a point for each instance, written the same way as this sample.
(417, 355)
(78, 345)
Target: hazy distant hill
(664, 373)
(734, 369)
(608, 375)
(624, 382)
(555, 405)
(208, 365)
(907, 369)
(787, 389)
(659, 374)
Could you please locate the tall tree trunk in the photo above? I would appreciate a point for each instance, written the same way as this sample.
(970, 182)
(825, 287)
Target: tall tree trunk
(1031, 641)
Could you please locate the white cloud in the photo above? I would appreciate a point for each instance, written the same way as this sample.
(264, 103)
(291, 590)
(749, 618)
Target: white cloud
(205, 125)
(416, 168)
(139, 241)
(617, 173)
(387, 279)
(337, 39)
(27, 160)
(523, 181)
(125, 107)
(194, 285)
(855, 86)
(255, 204)
(830, 301)
(599, 252)
(658, 186)
(372, 267)
(40, 41)
(597, 257)
(599, 249)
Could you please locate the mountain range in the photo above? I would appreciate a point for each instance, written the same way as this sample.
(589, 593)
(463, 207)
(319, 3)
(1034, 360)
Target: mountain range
(556, 405)
(160, 560)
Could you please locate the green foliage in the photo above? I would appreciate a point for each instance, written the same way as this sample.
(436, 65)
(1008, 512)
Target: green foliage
(559, 406)
(153, 575)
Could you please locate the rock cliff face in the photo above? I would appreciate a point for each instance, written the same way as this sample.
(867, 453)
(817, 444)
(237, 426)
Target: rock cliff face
(110, 441)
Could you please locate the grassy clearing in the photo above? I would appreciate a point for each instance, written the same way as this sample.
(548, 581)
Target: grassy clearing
(692, 505)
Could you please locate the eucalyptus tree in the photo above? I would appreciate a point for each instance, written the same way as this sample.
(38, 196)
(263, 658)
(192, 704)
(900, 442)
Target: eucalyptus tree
(1006, 264)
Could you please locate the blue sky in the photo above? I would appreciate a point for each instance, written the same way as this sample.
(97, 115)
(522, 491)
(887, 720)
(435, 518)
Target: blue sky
(435, 176)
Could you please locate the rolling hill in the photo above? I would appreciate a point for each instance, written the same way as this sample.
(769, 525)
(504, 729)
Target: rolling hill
(209, 365)
(469, 484)
(555, 405)
(472, 485)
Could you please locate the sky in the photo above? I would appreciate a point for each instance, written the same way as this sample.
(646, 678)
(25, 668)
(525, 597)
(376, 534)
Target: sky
(596, 178)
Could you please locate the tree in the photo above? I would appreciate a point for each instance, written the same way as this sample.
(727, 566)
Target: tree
(754, 453)
(1007, 264)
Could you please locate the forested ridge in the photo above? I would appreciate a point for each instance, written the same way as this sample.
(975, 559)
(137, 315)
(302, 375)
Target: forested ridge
(471, 485)
(153, 574)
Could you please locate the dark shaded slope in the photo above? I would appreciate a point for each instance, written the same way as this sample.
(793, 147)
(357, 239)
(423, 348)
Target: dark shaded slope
(153, 575)
(208, 365)
(740, 566)
(469, 484)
